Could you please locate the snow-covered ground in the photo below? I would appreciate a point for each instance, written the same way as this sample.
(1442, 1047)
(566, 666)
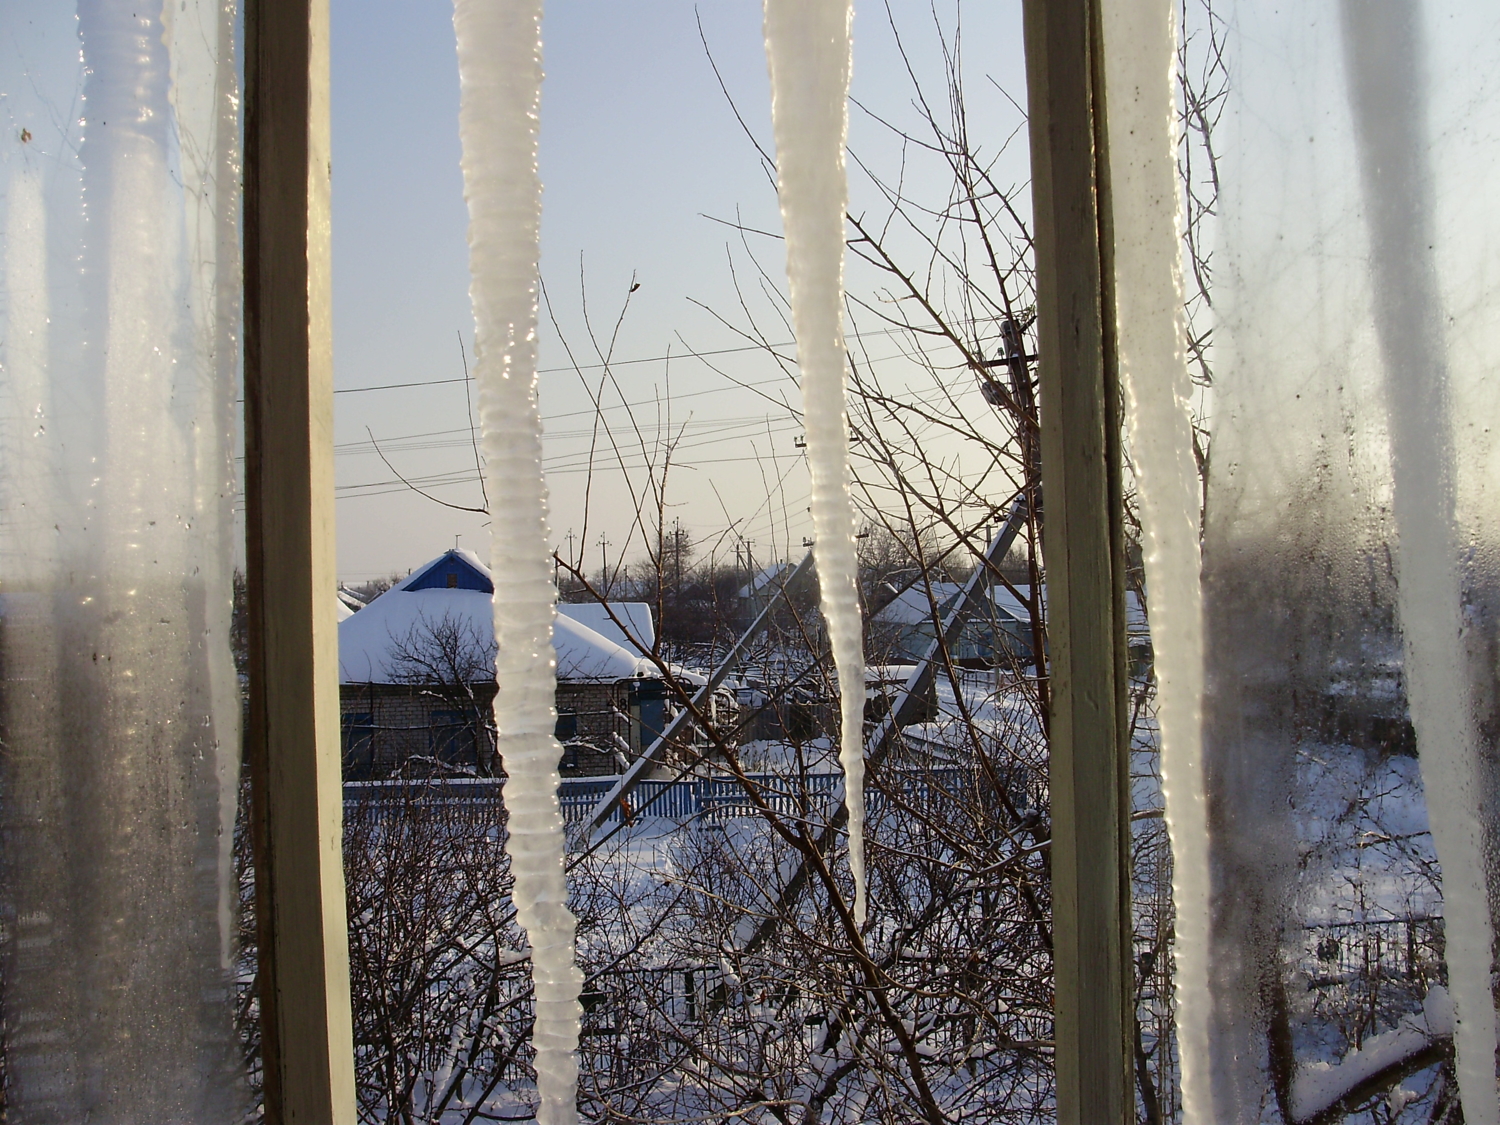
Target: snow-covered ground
(681, 1002)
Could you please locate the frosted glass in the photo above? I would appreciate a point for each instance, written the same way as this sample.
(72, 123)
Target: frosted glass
(1349, 545)
(118, 367)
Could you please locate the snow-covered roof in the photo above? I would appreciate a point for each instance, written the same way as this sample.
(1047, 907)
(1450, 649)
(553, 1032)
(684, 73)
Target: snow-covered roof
(583, 654)
(632, 616)
(763, 579)
(456, 588)
(1008, 603)
(343, 611)
(911, 606)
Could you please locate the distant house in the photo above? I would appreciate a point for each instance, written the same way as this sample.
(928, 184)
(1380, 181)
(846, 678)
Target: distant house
(1000, 634)
(349, 603)
(417, 680)
(905, 628)
(762, 589)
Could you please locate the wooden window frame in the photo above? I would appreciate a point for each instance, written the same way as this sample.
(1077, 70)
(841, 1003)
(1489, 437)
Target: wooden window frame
(293, 742)
(1084, 543)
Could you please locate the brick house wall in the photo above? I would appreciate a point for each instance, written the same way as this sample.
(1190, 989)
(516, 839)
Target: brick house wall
(386, 727)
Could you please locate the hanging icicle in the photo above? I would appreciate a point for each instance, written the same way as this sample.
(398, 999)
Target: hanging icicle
(1140, 69)
(500, 74)
(808, 49)
(1384, 62)
(204, 93)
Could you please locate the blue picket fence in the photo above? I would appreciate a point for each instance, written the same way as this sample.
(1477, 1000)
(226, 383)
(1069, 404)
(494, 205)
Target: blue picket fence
(701, 799)
(711, 799)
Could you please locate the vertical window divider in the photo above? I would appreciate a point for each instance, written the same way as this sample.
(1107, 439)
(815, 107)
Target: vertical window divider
(1083, 543)
(293, 736)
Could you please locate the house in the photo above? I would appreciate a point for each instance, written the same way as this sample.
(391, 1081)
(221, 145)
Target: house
(761, 590)
(904, 629)
(417, 668)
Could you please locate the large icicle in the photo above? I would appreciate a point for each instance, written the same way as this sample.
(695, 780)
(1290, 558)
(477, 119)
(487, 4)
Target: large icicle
(500, 74)
(204, 94)
(1383, 56)
(1140, 65)
(807, 47)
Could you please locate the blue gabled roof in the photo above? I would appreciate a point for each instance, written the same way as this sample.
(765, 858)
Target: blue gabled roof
(451, 571)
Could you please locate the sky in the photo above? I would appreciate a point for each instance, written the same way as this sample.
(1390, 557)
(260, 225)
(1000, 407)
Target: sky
(643, 162)
(647, 162)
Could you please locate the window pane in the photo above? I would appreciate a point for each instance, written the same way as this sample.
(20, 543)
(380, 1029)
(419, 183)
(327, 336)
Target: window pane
(121, 701)
(1349, 579)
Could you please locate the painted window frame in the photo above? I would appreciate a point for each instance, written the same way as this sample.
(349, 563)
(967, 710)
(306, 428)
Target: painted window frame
(294, 743)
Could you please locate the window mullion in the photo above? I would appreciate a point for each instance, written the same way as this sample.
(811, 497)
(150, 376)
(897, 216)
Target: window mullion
(1083, 546)
(293, 737)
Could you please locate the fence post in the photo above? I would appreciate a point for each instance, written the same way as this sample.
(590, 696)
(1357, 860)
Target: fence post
(1084, 546)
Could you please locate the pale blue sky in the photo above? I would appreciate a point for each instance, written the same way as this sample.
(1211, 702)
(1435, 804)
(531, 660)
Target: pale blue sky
(638, 144)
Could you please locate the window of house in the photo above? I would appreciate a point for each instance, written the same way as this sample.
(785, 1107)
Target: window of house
(453, 738)
(358, 733)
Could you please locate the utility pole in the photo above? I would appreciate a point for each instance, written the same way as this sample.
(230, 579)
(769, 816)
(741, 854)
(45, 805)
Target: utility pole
(677, 557)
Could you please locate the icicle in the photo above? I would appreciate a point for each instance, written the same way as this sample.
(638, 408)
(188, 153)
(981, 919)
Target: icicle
(1140, 67)
(28, 406)
(113, 818)
(1387, 92)
(218, 485)
(500, 73)
(204, 95)
(807, 46)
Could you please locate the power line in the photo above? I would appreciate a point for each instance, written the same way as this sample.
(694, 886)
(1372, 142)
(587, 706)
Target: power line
(443, 480)
(629, 362)
(560, 370)
(454, 438)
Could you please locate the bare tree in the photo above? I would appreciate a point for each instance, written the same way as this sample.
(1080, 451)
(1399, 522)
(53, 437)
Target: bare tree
(449, 663)
(725, 977)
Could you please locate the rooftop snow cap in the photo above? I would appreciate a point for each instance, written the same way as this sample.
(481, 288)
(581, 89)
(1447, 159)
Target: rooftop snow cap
(628, 624)
(911, 607)
(450, 598)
